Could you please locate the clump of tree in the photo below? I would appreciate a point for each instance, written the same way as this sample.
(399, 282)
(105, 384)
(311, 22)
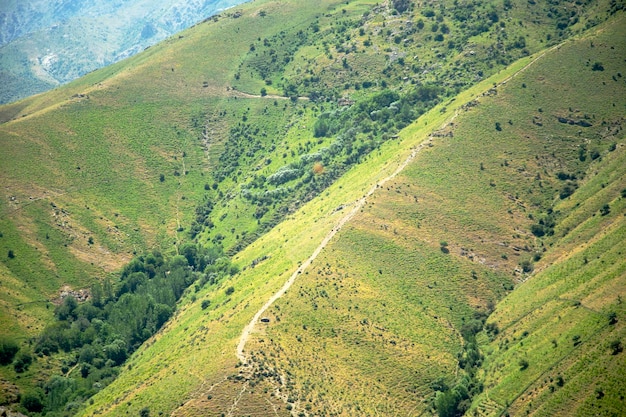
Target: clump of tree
(8, 350)
(401, 6)
(545, 225)
(104, 331)
(455, 401)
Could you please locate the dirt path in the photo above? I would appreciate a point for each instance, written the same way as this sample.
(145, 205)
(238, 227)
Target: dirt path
(360, 203)
(247, 331)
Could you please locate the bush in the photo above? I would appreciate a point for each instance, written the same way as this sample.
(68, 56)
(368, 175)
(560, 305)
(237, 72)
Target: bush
(605, 210)
(527, 266)
(401, 5)
(205, 304)
(22, 363)
(567, 190)
(538, 230)
(444, 246)
(321, 128)
(8, 350)
(523, 364)
(616, 347)
(32, 401)
(230, 290)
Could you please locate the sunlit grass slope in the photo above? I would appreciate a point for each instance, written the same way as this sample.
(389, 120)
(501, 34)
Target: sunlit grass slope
(117, 162)
(557, 352)
(373, 325)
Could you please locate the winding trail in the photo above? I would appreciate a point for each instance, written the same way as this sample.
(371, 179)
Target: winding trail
(360, 203)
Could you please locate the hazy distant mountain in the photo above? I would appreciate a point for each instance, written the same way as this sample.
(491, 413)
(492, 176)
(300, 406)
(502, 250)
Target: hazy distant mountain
(44, 43)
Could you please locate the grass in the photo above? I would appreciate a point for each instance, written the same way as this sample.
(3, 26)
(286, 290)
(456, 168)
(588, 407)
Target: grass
(557, 320)
(253, 285)
(383, 267)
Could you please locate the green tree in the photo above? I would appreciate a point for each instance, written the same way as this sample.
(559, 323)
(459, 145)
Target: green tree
(116, 351)
(8, 350)
(33, 401)
(616, 347)
(401, 5)
(605, 210)
(67, 309)
(22, 363)
(523, 364)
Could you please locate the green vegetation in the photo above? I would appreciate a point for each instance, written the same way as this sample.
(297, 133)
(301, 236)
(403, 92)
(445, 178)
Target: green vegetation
(8, 350)
(98, 335)
(515, 183)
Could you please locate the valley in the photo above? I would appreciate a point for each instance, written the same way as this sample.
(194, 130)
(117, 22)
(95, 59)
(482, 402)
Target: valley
(411, 224)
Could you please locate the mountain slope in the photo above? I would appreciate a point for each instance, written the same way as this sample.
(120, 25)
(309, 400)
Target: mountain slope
(566, 323)
(383, 291)
(263, 135)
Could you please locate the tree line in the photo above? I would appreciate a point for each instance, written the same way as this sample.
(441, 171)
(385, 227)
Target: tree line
(97, 336)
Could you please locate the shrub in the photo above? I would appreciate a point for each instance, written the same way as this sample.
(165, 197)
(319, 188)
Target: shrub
(523, 364)
(283, 175)
(22, 363)
(230, 290)
(616, 347)
(205, 304)
(444, 246)
(566, 191)
(527, 266)
(321, 128)
(401, 5)
(8, 350)
(605, 210)
(538, 230)
(597, 66)
(32, 401)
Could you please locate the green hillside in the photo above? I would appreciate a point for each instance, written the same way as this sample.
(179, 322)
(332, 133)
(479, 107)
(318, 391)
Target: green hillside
(431, 179)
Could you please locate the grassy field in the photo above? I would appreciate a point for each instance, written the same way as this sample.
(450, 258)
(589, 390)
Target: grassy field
(348, 313)
(559, 321)
(117, 162)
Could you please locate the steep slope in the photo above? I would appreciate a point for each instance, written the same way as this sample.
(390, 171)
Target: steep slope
(375, 323)
(238, 127)
(47, 43)
(378, 311)
(558, 349)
